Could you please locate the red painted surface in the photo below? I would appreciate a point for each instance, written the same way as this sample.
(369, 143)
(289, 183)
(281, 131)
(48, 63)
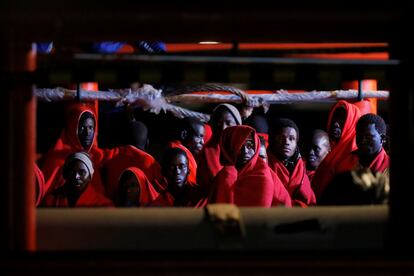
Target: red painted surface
(367, 105)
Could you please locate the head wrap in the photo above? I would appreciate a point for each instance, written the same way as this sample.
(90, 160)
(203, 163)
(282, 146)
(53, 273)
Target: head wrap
(81, 156)
(232, 110)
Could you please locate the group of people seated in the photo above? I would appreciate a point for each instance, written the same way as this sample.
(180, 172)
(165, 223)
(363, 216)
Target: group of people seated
(227, 160)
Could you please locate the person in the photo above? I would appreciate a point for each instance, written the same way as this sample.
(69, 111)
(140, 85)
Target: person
(259, 123)
(370, 153)
(341, 130)
(285, 160)
(134, 189)
(190, 138)
(178, 191)
(139, 135)
(318, 150)
(371, 133)
(245, 179)
(77, 191)
(223, 116)
(281, 195)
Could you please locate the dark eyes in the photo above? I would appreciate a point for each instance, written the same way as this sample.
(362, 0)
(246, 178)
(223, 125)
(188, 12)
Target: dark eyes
(249, 145)
(80, 172)
(83, 128)
(180, 167)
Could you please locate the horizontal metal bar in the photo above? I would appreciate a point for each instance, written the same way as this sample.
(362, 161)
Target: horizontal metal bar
(235, 60)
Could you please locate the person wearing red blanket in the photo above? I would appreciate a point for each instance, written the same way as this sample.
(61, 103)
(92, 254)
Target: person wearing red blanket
(285, 160)
(245, 178)
(318, 149)
(134, 189)
(178, 192)
(281, 195)
(223, 116)
(341, 130)
(370, 155)
(77, 190)
(370, 138)
(190, 138)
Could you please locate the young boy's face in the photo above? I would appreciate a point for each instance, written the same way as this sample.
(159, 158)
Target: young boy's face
(86, 132)
(129, 190)
(368, 140)
(195, 142)
(286, 141)
(78, 175)
(177, 171)
(247, 152)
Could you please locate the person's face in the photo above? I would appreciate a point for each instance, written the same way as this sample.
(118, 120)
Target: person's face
(319, 149)
(78, 175)
(337, 124)
(196, 142)
(86, 131)
(177, 171)
(129, 190)
(246, 152)
(368, 140)
(263, 153)
(224, 121)
(286, 142)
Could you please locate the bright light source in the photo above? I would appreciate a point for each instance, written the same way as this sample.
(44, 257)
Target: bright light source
(209, 42)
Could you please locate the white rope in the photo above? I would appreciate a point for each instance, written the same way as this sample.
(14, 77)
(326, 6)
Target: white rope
(146, 97)
(280, 96)
(152, 99)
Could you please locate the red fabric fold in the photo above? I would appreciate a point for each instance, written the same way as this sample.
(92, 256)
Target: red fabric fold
(89, 198)
(208, 133)
(297, 183)
(379, 164)
(191, 195)
(328, 167)
(40, 184)
(311, 174)
(192, 164)
(251, 185)
(208, 165)
(281, 195)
